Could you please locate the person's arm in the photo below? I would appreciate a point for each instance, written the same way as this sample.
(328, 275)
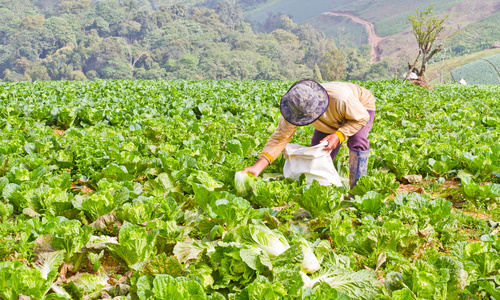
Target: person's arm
(257, 167)
(276, 143)
(333, 140)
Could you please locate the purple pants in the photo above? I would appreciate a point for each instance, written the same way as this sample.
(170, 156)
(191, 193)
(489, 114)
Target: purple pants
(358, 142)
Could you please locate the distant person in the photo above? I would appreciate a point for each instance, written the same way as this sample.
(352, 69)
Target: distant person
(338, 111)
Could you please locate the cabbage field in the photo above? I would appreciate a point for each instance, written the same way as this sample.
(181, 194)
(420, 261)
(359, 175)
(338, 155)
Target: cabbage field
(126, 190)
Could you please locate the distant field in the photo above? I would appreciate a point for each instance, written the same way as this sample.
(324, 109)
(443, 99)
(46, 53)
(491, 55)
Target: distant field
(482, 71)
(342, 29)
(260, 8)
(299, 12)
(433, 74)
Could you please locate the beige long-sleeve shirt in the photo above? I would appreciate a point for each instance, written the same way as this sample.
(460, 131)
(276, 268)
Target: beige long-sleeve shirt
(346, 113)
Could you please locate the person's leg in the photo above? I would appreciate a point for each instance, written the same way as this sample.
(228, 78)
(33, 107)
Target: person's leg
(318, 136)
(359, 151)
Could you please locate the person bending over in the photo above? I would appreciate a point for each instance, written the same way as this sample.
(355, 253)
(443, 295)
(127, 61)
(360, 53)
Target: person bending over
(338, 111)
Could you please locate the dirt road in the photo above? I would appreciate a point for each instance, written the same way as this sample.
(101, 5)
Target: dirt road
(373, 38)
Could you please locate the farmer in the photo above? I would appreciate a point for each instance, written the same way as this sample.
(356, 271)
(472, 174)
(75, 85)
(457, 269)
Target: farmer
(338, 111)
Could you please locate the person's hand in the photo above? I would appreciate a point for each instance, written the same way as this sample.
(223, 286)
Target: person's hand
(333, 142)
(258, 167)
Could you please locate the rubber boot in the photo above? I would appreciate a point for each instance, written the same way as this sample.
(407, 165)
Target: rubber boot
(358, 164)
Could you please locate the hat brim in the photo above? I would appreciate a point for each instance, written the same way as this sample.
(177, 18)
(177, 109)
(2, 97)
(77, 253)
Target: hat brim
(322, 106)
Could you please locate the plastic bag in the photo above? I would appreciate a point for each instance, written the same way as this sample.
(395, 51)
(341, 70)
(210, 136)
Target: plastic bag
(314, 162)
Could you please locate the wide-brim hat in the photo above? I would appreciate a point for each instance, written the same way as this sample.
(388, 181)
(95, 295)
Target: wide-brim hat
(304, 102)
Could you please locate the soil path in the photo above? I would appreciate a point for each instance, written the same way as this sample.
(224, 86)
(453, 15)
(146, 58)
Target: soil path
(373, 38)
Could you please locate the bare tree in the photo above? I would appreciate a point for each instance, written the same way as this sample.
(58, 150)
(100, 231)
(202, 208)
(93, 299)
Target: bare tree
(473, 8)
(430, 33)
(133, 61)
(441, 67)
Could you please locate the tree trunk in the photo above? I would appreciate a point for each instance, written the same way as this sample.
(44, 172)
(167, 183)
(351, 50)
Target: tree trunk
(411, 68)
(421, 81)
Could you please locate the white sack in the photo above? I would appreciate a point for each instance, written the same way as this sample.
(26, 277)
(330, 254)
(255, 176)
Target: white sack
(314, 162)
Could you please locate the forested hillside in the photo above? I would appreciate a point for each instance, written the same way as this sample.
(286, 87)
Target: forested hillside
(223, 39)
(86, 40)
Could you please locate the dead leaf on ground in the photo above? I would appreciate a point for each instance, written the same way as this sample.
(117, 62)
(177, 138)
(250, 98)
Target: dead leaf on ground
(83, 188)
(104, 221)
(411, 188)
(86, 190)
(58, 131)
(110, 264)
(43, 244)
(413, 179)
(65, 268)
